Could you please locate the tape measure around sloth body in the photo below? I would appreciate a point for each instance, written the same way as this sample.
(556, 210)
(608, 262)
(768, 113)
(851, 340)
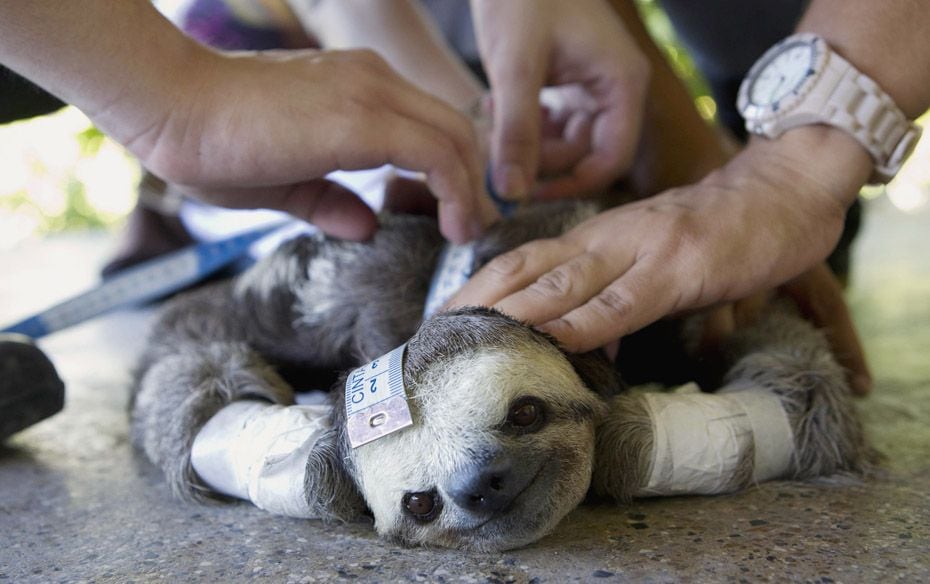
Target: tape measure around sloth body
(375, 397)
(143, 283)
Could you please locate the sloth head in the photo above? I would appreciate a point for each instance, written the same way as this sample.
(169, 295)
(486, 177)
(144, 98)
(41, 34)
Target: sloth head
(502, 444)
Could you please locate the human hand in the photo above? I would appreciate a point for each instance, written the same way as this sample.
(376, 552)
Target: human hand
(597, 79)
(260, 130)
(775, 210)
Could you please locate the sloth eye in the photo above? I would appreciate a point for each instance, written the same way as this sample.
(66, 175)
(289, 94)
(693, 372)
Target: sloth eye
(423, 506)
(526, 414)
(523, 415)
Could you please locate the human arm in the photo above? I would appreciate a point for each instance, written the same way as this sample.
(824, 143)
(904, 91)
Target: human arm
(773, 211)
(402, 32)
(208, 121)
(677, 148)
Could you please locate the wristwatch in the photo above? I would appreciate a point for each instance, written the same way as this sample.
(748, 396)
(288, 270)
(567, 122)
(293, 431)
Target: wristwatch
(802, 81)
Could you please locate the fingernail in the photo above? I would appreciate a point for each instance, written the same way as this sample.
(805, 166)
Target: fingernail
(862, 384)
(510, 183)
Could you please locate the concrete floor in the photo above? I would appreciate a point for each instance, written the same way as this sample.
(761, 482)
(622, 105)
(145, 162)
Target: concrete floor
(77, 504)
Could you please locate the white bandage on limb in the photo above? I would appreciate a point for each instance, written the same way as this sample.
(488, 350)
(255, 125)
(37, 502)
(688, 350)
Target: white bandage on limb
(257, 451)
(700, 439)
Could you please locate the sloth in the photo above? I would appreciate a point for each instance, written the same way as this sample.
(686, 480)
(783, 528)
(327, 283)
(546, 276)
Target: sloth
(510, 432)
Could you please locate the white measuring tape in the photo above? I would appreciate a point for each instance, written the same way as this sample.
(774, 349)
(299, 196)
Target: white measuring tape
(457, 262)
(143, 283)
(376, 400)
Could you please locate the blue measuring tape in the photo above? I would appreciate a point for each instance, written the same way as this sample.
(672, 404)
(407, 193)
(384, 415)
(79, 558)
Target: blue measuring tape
(143, 283)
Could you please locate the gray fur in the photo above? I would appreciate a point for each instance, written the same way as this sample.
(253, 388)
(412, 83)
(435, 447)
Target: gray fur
(328, 486)
(624, 439)
(323, 303)
(784, 354)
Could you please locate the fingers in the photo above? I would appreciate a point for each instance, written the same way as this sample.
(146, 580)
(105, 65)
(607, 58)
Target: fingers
(561, 153)
(575, 295)
(612, 135)
(514, 41)
(516, 135)
(454, 169)
(511, 272)
(627, 304)
(336, 210)
(561, 289)
(820, 298)
(415, 146)
(339, 110)
(584, 50)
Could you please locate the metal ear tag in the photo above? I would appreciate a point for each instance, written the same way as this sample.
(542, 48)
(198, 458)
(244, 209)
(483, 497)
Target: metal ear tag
(376, 402)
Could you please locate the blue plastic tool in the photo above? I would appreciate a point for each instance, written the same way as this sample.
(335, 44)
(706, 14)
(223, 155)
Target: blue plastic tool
(143, 283)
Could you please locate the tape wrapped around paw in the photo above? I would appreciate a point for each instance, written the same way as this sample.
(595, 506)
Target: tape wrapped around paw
(257, 451)
(702, 440)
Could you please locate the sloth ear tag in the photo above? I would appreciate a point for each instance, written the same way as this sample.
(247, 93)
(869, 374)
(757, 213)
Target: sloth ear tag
(376, 402)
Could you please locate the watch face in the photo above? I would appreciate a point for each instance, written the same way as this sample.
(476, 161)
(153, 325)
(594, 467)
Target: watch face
(782, 74)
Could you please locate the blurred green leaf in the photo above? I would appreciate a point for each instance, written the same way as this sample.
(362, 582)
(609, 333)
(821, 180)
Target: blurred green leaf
(90, 141)
(661, 29)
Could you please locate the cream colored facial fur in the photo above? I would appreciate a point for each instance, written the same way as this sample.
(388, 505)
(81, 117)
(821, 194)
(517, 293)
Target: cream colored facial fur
(460, 414)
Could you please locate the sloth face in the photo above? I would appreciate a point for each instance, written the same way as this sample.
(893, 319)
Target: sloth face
(502, 444)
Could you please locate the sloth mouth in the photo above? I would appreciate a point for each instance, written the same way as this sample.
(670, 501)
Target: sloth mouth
(513, 504)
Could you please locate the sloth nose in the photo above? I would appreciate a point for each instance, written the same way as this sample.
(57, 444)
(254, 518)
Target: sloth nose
(486, 488)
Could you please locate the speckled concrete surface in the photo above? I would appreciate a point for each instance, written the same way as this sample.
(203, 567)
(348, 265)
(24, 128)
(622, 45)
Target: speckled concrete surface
(77, 504)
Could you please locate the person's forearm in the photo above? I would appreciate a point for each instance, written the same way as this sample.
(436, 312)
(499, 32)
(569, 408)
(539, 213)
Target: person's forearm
(888, 41)
(402, 33)
(119, 62)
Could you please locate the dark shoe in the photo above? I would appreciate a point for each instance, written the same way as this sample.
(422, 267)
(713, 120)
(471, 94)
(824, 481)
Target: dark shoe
(30, 389)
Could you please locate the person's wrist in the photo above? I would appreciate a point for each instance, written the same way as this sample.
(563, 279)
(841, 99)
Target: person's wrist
(147, 102)
(827, 159)
(184, 91)
(797, 188)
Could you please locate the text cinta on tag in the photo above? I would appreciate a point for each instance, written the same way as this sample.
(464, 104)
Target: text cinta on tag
(376, 401)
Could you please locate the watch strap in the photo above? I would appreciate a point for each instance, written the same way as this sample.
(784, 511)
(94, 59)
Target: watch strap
(856, 104)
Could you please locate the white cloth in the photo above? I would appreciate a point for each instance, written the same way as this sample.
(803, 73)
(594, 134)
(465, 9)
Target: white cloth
(208, 223)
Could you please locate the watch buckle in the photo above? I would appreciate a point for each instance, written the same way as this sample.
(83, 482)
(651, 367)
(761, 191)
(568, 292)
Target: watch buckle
(885, 172)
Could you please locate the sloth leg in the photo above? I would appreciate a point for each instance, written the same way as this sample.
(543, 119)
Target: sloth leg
(291, 306)
(320, 302)
(784, 412)
(196, 362)
(786, 356)
(208, 411)
(181, 391)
